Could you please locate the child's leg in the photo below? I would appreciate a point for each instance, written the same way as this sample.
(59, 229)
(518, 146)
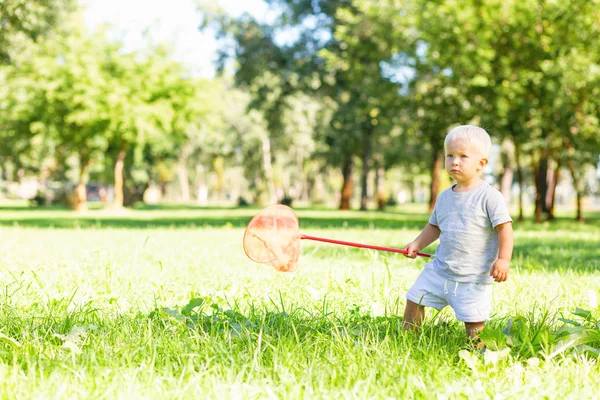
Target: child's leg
(472, 329)
(413, 315)
(472, 302)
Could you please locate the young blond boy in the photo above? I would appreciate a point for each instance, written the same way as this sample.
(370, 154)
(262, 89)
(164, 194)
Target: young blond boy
(476, 238)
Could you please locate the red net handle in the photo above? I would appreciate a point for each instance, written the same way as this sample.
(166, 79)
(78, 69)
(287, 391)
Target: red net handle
(363, 246)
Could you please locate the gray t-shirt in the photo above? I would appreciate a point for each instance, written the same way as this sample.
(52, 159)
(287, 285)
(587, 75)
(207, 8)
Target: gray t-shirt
(468, 242)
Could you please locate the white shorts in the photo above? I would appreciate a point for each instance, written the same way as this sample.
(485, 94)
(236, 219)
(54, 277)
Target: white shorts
(471, 302)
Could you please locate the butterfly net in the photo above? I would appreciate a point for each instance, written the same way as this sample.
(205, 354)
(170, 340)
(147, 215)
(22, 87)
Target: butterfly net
(273, 237)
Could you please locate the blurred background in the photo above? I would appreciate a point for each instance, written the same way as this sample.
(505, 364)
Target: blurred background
(343, 103)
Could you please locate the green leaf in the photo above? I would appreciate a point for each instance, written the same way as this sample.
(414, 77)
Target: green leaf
(569, 321)
(193, 303)
(9, 340)
(569, 342)
(493, 339)
(585, 314)
(508, 327)
(588, 350)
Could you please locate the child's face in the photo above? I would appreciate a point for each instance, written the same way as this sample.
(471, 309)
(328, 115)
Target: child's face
(464, 161)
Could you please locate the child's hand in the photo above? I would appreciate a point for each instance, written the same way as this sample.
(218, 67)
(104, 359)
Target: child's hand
(500, 270)
(411, 250)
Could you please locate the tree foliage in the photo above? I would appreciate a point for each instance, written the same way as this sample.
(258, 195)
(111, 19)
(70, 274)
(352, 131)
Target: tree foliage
(355, 86)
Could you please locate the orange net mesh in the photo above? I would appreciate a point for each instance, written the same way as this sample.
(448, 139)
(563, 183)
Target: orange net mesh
(273, 237)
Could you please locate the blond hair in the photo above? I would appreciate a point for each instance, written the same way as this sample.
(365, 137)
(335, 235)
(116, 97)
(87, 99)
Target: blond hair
(472, 134)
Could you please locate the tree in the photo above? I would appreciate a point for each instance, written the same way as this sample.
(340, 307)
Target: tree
(58, 96)
(542, 75)
(87, 98)
(142, 88)
(501, 60)
(336, 56)
(28, 20)
(439, 75)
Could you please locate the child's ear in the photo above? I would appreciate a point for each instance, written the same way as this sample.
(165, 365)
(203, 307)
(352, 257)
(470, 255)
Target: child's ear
(483, 162)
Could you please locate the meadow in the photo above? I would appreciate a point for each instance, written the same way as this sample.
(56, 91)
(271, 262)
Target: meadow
(163, 303)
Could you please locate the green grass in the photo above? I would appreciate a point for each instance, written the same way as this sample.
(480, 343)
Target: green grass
(98, 305)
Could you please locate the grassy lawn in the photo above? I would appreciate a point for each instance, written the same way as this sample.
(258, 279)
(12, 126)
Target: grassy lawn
(163, 303)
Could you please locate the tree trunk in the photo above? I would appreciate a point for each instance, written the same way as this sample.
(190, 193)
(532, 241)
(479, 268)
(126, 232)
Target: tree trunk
(200, 186)
(506, 183)
(579, 215)
(412, 188)
(541, 183)
(364, 178)
(541, 187)
(436, 171)
(552, 191)
(520, 179)
(119, 167)
(218, 164)
(506, 178)
(134, 193)
(379, 182)
(4, 175)
(183, 174)
(268, 167)
(80, 191)
(348, 184)
(310, 186)
(299, 180)
(184, 182)
(537, 213)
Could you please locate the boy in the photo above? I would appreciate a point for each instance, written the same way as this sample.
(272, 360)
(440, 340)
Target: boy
(476, 238)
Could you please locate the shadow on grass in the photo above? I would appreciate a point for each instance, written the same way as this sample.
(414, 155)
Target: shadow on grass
(188, 207)
(184, 216)
(32, 209)
(564, 254)
(592, 219)
(340, 222)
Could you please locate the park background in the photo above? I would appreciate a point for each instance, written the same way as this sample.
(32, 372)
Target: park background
(137, 139)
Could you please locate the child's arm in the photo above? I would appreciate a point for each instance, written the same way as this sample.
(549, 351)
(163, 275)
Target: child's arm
(505, 247)
(428, 235)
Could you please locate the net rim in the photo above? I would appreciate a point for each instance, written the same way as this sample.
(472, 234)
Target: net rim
(258, 216)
